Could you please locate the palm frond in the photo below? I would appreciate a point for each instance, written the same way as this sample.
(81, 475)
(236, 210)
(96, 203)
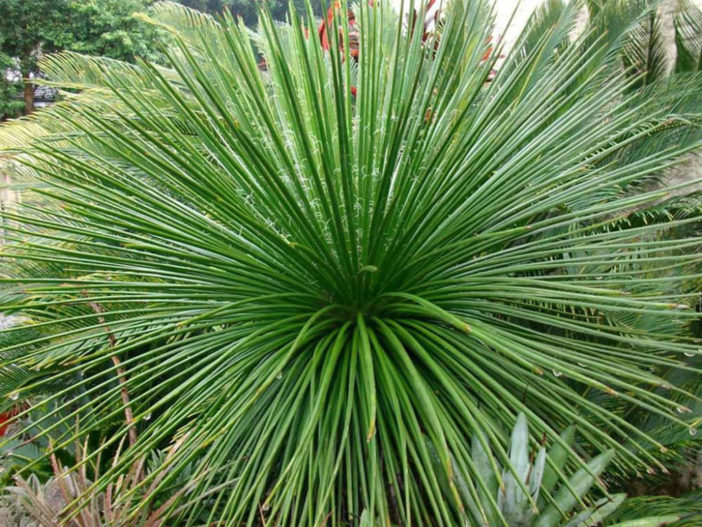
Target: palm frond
(684, 511)
(644, 53)
(688, 37)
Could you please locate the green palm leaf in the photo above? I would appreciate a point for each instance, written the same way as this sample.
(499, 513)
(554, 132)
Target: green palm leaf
(688, 37)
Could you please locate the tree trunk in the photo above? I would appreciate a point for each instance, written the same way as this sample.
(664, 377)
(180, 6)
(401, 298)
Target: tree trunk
(28, 97)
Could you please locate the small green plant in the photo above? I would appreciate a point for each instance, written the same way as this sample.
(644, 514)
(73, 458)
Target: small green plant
(527, 493)
(531, 490)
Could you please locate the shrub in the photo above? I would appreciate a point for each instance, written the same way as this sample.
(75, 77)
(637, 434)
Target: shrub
(301, 291)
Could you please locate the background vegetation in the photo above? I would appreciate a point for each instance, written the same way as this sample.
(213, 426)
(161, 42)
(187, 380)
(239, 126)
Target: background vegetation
(31, 29)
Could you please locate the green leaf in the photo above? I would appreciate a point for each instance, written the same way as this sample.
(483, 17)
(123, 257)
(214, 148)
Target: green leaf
(578, 485)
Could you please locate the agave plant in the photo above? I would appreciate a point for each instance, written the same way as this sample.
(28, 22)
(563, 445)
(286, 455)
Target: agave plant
(528, 485)
(302, 291)
(531, 495)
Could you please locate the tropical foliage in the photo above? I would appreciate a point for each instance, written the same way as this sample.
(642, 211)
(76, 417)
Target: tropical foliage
(326, 289)
(29, 30)
(666, 508)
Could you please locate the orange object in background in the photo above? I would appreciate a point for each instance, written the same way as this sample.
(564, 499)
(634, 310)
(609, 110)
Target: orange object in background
(323, 30)
(489, 49)
(6, 418)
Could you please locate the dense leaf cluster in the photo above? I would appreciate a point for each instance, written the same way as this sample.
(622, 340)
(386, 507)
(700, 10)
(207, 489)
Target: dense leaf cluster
(324, 286)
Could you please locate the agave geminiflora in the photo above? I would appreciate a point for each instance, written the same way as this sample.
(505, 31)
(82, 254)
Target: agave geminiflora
(296, 286)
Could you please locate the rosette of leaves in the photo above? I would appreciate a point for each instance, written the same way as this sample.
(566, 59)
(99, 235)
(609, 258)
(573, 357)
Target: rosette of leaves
(291, 286)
